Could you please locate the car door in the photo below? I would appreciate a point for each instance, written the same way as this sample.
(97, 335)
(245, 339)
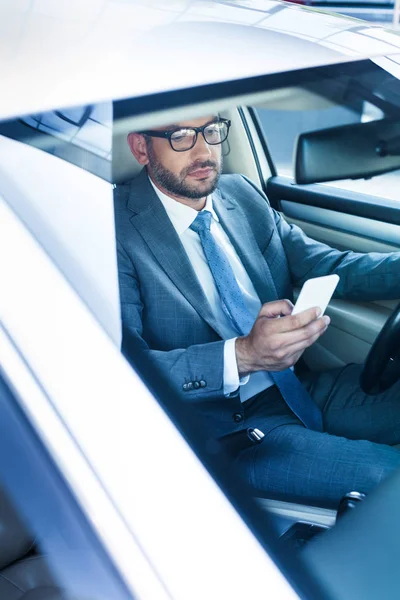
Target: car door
(49, 548)
(119, 453)
(359, 215)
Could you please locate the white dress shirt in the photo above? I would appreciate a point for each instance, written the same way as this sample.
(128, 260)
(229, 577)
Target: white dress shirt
(181, 217)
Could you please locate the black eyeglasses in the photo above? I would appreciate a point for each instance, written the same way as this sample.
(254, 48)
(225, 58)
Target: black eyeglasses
(185, 138)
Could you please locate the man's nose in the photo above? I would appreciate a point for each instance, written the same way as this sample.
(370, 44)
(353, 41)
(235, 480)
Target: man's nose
(201, 148)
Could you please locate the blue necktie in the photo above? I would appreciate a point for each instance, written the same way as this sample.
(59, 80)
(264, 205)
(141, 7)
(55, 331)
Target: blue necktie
(294, 394)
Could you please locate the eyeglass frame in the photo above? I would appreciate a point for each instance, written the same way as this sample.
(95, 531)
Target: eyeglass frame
(169, 132)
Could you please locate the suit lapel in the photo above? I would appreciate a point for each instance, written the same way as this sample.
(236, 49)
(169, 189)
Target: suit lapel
(235, 224)
(151, 220)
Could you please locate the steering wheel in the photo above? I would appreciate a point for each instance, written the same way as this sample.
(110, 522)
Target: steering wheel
(382, 366)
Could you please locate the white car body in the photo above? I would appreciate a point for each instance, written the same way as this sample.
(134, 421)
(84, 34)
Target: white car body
(169, 530)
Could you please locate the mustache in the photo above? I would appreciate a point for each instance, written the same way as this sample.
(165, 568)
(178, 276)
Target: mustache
(201, 165)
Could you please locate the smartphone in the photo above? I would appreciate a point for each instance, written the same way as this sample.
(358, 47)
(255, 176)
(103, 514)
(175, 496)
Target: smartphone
(316, 292)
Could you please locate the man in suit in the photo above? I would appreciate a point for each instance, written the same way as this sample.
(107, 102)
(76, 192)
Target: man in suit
(206, 267)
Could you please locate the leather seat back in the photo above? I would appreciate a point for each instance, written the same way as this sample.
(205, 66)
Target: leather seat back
(22, 577)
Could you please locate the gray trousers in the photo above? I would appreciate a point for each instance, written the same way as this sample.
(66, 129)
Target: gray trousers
(353, 453)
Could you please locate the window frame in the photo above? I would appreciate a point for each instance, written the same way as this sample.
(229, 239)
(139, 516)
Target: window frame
(32, 463)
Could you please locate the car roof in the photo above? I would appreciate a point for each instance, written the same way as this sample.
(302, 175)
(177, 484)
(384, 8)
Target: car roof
(63, 54)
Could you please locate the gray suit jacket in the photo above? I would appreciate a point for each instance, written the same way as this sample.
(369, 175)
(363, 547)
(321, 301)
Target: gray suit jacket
(165, 314)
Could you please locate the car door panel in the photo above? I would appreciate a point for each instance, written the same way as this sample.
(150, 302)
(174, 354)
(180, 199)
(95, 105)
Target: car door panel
(354, 326)
(343, 231)
(349, 337)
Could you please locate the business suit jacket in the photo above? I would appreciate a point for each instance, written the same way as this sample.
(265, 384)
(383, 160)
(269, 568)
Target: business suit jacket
(165, 314)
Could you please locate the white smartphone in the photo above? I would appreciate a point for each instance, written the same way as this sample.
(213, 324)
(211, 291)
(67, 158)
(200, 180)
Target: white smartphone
(316, 292)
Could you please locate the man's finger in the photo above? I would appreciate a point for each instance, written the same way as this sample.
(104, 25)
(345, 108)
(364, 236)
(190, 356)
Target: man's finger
(300, 340)
(285, 341)
(293, 322)
(276, 309)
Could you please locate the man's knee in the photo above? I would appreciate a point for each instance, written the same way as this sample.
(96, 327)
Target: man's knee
(314, 467)
(375, 474)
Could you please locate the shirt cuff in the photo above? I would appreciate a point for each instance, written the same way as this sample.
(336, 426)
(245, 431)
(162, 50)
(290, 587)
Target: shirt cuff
(232, 381)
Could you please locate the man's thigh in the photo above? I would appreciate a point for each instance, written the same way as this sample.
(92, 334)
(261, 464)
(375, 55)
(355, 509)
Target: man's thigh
(349, 412)
(296, 464)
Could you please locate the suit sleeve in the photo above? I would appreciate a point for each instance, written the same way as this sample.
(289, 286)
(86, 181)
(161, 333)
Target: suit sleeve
(200, 362)
(363, 277)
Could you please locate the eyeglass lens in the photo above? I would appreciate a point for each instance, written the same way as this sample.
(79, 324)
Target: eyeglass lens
(214, 133)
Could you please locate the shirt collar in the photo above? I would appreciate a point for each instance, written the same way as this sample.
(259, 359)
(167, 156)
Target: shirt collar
(181, 215)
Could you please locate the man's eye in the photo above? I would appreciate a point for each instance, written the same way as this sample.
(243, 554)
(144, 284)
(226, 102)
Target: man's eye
(213, 131)
(182, 134)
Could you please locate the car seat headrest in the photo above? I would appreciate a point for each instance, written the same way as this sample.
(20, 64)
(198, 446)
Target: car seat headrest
(124, 165)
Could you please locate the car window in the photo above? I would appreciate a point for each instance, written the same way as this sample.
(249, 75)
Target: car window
(324, 103)
(83, 126)
(72, 160)
(67, 204)
(46, 544)
(82, 135)
(55, 172)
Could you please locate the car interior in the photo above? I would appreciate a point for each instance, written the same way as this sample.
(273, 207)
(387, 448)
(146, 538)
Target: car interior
(239, 158)
(354, 326)
(24, 573)
(351, 218)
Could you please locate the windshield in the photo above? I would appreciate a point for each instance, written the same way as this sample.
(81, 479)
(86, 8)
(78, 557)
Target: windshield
(364, 95)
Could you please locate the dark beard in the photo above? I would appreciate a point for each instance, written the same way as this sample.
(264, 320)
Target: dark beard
(175, 184)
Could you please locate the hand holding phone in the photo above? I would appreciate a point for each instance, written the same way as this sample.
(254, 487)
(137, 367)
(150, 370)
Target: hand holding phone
(316, 292)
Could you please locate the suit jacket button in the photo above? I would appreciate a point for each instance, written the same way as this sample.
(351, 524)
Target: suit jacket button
(237, 417)
(202, 383)
(196, 385)
(185, 387)
(190, 385)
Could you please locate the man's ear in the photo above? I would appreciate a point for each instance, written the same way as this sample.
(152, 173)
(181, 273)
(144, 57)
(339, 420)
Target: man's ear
(138, 147)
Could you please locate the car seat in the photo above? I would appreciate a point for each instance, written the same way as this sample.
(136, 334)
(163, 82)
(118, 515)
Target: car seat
(24, 574)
